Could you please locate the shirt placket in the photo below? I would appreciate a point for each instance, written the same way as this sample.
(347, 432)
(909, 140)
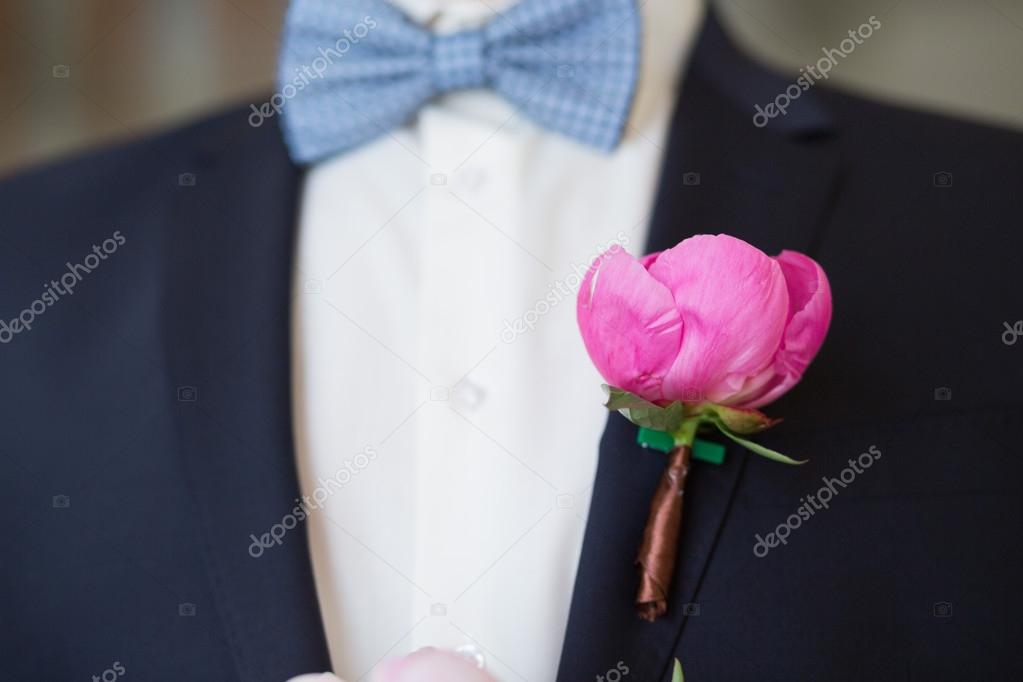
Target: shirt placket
(470, 201)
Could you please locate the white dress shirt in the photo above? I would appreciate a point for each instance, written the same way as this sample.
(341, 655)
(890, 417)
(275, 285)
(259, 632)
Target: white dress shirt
(447, 415)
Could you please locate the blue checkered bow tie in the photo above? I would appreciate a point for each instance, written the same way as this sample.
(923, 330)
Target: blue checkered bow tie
(351, 70)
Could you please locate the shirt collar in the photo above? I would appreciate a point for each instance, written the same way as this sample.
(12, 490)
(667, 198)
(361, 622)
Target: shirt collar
(452, 15)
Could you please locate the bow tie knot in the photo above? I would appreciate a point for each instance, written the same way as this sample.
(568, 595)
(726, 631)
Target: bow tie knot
(458, 61)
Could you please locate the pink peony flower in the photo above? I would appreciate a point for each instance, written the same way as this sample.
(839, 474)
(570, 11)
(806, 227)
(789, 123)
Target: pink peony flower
(712, 319)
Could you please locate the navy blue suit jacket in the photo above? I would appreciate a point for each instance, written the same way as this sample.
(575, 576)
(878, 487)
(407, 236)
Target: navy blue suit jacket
(147, 428)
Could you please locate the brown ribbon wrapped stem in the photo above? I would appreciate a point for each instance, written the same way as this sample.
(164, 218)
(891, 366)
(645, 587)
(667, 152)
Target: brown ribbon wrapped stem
(661, 538)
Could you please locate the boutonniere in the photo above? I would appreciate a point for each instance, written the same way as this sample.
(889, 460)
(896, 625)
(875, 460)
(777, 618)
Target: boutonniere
(694, 339)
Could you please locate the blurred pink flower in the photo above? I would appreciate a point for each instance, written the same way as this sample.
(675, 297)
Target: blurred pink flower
(431, 665)
(711, 319)
(426, 665)
(316, 677)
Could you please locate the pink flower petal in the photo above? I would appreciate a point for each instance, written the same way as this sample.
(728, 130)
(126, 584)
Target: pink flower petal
(733, 302)
(649, 259)
(808, 320)
(629, 324)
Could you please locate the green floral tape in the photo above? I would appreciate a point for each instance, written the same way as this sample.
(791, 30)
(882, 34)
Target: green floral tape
(703, 450)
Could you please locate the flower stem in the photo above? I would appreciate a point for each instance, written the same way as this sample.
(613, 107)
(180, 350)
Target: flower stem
(686, 432)
(659, 550)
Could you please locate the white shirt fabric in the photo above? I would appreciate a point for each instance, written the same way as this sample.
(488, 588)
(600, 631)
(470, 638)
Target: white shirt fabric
(447, 416)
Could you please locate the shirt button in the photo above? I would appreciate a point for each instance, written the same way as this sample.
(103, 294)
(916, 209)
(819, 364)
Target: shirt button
(473, 178)
(468, 395)
(471, 652)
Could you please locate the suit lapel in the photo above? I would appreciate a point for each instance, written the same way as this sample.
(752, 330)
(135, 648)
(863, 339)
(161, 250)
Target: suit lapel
(771, 186)
(226, 318)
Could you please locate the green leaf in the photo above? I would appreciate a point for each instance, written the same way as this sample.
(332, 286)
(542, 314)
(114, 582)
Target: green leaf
(676, 675)
(756, 447)
(736, 420)
(618, 398)
(644, 413)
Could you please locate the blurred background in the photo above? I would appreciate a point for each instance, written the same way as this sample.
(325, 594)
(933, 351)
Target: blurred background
(80, 73)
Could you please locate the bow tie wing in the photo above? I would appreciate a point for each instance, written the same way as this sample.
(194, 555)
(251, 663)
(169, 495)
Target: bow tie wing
(350, 71)
(568, 66)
